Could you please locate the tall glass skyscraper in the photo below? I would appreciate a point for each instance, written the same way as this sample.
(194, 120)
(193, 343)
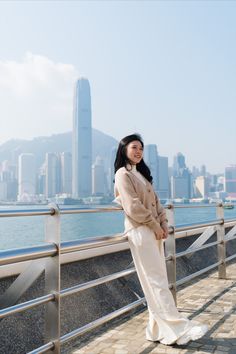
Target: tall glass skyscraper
(27, 177)
(151, 159)
(230, 180)
(82, 141)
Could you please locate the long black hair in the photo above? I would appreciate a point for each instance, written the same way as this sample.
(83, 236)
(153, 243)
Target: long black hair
(122, 159)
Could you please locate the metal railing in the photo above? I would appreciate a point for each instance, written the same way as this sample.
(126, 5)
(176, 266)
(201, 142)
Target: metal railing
(47, 258)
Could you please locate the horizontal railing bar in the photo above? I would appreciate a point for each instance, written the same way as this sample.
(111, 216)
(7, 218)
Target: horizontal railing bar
(95, 282)
(101, 321)
(92, 242)
(43, 349)
(65, 211)
(207, 245)
(177, 206)
(51, 211)
(45, 250)
(197, 225)
(26, 305)
(229, 220)
(27, 253)
(85, 211)
(196, 274)
(191, 232)
(230, 258)
(31, 212)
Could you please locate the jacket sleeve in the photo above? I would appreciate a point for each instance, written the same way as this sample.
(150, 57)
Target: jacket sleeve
(161, 213)
(131, 203)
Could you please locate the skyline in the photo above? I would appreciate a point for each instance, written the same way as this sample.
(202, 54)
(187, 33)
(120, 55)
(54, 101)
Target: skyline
(163, 69)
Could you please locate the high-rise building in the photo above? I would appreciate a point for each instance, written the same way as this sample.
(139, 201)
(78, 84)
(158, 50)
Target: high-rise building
(8, 180)
(202, 186)
(27, 177)
(66, 172)
(82, 141)
(179, 164)
(98, 177)
(180, 187)
(52, 178)
(15, 159)
(163, 177)
(41, 180)
(195, 172)
(203, 170)
(111, 172)
(151, 159)
(3, 190)
(182, 179)
(230, 180)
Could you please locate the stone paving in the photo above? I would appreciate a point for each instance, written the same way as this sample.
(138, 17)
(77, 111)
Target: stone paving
(209, 300)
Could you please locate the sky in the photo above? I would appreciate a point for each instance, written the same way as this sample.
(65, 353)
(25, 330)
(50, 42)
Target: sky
(164, 69)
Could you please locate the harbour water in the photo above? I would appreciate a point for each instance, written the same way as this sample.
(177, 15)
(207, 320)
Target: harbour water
(27, 231)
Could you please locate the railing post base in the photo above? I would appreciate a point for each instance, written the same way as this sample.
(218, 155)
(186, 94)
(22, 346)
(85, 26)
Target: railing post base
(221, 245)
(170, 251)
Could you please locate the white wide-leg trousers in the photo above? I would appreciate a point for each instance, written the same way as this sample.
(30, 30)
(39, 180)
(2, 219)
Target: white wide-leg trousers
(166, 324)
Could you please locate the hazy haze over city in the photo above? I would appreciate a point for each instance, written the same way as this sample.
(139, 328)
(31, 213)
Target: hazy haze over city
(164, 69)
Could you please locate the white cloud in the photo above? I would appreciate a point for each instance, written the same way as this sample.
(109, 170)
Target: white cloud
(36, 97)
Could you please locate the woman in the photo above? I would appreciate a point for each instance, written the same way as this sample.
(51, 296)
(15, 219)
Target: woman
(146, 227)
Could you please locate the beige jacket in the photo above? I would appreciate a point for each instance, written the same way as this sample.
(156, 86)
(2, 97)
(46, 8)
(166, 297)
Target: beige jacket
(139, 201)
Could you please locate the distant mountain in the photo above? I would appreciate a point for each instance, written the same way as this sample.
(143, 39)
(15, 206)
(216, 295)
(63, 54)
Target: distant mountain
(102, 146)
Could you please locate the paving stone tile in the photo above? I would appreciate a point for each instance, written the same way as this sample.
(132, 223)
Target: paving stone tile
(157, 351)
(223, 348)
(173, 351)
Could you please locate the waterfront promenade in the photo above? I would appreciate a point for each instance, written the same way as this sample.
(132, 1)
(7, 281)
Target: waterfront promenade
(207, 299)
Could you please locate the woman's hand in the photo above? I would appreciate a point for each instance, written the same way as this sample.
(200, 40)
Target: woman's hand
(165, 232)
(162, 233)
(159, 234)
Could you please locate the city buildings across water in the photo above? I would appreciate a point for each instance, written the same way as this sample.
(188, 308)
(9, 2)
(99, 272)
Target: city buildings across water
(53, 180)
(78, 176)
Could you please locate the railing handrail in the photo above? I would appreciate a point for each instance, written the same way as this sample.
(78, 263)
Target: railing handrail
(46, 249)
(51, 211)
(15, 255)
(82, 210)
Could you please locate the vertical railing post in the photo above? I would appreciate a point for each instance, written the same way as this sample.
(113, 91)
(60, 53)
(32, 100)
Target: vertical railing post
(221, 240)
(52, 280)
(170, 251)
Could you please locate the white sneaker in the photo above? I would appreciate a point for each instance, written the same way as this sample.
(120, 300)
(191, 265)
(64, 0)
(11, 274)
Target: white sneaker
(194, 333)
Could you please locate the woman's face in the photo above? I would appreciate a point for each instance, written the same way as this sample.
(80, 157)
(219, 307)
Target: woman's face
(134, 152)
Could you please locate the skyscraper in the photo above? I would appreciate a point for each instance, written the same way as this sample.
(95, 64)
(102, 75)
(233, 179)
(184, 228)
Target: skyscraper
(27, 177)
(179, 164)
(111, 172)
(151, 159)
(52, 174)
(82, 141)
(66, 172)
(202, 187)
(230, 180)
(180, 187)
(163, 177)
(98, 177)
